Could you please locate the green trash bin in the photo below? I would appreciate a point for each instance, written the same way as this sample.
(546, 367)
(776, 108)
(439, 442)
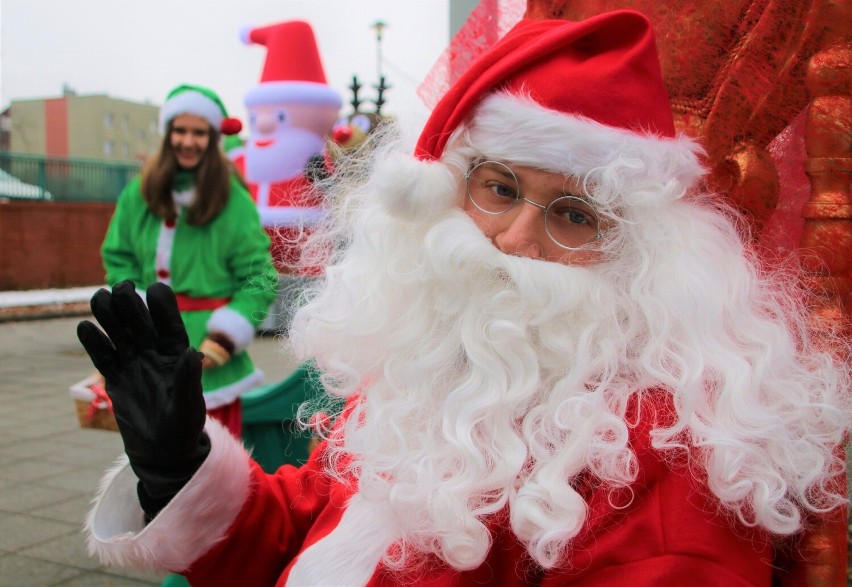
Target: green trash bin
(175, 581)
(270, 430)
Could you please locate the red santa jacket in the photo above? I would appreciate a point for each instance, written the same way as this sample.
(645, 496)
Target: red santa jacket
(233, 524)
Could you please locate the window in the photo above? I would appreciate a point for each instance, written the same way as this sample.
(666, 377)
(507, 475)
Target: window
(125, 149)
(109, 147)
(109, 120)
(125, 122)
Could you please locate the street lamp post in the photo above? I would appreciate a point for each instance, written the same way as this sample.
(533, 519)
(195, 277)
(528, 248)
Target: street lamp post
(379, 26)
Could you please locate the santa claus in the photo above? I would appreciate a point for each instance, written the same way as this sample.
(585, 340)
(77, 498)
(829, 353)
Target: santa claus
(291, 112)
(563, 365)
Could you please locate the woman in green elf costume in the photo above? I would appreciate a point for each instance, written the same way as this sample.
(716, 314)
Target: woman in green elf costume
(189, 221)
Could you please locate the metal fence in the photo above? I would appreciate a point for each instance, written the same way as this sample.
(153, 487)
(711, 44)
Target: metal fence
(34, 177)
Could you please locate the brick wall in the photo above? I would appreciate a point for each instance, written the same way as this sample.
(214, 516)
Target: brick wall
(51, 244)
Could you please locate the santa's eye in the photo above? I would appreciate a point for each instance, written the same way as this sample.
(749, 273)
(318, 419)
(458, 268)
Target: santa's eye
(281, 116)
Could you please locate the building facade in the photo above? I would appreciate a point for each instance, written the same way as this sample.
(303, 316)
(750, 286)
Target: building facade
(90, 127)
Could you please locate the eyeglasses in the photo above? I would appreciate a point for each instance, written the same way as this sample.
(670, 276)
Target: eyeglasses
(569, 221)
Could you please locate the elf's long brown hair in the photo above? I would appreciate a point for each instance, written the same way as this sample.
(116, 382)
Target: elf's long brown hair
(212, 181)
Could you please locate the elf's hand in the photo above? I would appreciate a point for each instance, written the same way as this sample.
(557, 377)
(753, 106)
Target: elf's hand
(217, 349)
(153, 378)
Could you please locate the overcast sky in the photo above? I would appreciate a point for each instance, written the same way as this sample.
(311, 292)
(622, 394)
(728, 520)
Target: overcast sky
(140, 49)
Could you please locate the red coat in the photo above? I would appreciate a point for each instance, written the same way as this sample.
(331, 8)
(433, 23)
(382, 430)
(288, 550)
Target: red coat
(233, 524)
(668, 535)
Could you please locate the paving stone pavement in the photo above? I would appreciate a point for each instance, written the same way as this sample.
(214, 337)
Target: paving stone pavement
(50, 467)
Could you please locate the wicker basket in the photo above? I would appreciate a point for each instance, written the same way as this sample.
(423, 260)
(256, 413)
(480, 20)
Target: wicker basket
(100, 416)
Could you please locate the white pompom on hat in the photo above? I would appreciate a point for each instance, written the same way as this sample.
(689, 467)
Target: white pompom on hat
(413, 190)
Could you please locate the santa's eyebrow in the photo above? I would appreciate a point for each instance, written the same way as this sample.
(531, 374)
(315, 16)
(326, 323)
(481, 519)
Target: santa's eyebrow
(576, 192)
(511, 174)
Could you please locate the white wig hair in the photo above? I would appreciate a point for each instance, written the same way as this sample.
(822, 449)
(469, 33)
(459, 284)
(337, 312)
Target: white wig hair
(488, 380)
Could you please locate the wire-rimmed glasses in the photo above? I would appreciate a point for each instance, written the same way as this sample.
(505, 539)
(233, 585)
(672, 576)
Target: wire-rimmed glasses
(570, 221)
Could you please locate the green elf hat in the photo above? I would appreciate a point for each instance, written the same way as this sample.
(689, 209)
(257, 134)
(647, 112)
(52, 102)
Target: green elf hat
(198, 101)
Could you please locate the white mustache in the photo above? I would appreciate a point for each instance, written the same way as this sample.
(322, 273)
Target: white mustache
(464, 250)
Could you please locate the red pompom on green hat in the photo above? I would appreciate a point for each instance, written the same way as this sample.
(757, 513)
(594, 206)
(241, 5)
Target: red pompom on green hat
(202, 102)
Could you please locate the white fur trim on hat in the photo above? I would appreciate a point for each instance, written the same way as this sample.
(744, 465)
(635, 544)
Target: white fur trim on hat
(412, 189)
(517, 130)
(291, 92)
(191, 102)
(198, 516)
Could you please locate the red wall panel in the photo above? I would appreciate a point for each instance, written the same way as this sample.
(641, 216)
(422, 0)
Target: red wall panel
(56, 127)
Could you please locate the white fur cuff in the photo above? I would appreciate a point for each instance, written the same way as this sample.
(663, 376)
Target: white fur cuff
(198, 516)
(236, 326)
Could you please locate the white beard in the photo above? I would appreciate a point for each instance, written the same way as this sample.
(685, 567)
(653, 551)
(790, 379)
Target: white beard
(284, 159)
(471, 357)
(489, 382)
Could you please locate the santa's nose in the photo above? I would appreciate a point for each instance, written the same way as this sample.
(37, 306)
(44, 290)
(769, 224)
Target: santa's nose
(522, 232)
(265, 123)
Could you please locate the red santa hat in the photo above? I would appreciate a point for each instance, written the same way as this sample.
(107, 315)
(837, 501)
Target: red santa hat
(549, 90)
(605, 68)
(293, 71)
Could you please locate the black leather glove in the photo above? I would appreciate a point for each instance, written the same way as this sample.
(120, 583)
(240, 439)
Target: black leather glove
(153, 378)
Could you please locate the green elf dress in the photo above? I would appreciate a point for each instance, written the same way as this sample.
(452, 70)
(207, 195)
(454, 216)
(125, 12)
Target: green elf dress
(221, 272)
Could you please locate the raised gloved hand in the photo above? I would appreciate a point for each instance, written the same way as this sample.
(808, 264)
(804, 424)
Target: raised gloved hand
(154, 380)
